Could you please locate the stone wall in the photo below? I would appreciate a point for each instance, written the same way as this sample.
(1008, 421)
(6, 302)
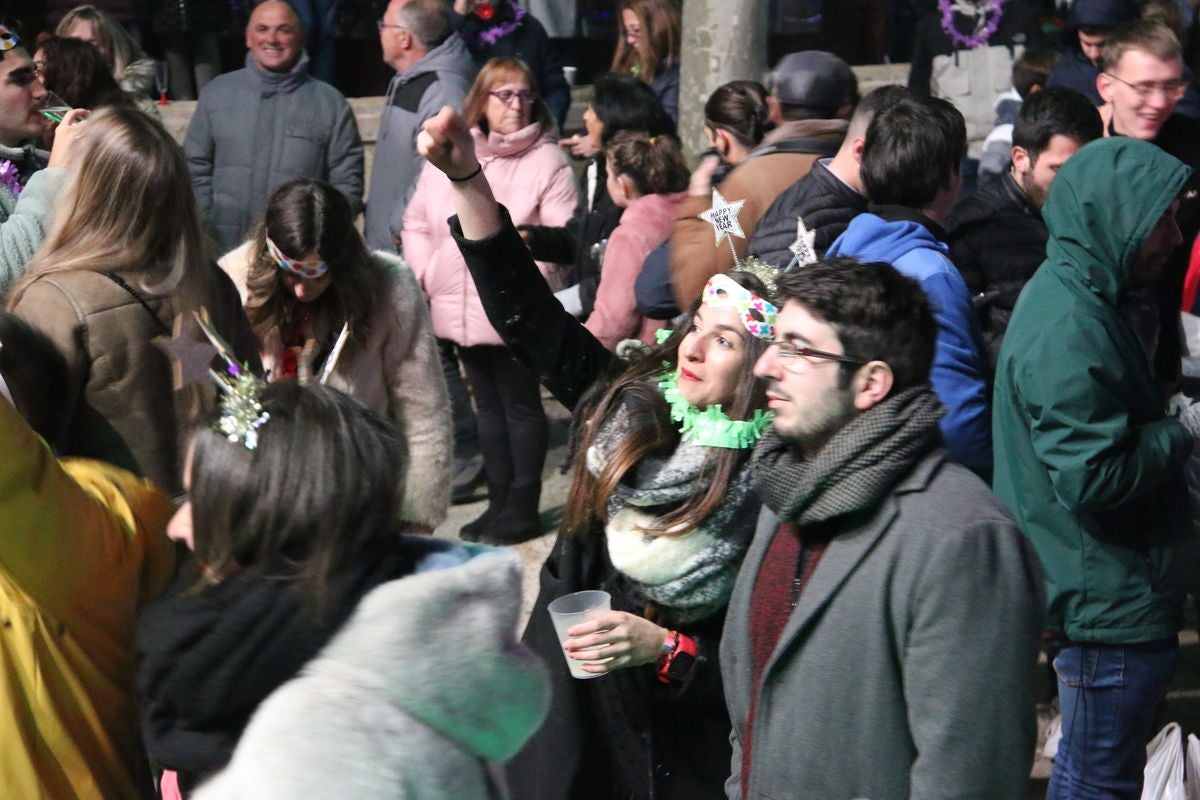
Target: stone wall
(367, 109)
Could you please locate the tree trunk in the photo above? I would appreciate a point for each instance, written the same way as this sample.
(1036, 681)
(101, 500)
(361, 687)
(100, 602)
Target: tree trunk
(723, 40)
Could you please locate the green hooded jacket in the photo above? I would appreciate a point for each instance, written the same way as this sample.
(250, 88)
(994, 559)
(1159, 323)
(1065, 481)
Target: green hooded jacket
(1086, 458)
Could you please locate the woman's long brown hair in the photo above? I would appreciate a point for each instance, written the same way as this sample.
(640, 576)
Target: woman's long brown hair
(304, 215)
(649, 430)
(661, 32)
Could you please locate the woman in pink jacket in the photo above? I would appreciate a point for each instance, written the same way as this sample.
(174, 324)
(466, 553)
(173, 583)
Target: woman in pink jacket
(517, 149)
(647, 177)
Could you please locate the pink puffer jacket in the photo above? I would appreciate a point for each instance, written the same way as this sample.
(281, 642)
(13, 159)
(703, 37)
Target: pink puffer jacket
(530, 176)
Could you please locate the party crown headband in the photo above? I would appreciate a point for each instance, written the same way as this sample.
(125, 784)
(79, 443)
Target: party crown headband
(242, 413)
(8, 38)
(305, 269)
(757, 315)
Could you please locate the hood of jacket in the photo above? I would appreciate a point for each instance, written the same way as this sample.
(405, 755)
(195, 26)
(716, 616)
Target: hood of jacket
(872, 238)
(1103, 203)
(449, 56)
(500, 145)
(441, 645)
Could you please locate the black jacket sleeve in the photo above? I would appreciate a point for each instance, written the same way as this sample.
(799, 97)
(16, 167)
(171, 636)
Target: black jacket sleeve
(551, 343)
(652, 289)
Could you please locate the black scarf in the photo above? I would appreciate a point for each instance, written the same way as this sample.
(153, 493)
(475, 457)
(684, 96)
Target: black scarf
(208, 658)
(855, 468)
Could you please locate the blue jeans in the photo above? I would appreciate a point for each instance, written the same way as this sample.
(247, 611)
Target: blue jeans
(1108, 695)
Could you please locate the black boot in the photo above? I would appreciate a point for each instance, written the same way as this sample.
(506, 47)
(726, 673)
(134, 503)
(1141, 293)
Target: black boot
(497, 498)
(518, 522)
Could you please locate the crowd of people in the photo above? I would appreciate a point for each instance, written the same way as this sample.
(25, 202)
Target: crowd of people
(887, 398)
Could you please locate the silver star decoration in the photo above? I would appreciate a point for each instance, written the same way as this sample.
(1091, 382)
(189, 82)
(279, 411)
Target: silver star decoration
(805, 246)
(723, 216)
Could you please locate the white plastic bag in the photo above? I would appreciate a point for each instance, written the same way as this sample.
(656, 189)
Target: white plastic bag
(1191, 782)
(1164, 766)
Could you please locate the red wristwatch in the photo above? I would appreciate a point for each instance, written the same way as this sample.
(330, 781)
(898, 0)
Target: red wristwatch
(679, 653)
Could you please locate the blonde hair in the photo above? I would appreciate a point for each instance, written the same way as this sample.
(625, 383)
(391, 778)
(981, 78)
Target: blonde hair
(659, 44)
(129, 207)
(495, 72)
(112, 40)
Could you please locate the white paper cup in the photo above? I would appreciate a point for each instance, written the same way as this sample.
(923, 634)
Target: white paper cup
(573, 609)
(569, 74)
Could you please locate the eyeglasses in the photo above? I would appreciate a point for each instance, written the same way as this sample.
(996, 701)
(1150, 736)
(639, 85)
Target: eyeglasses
(1172, 90)
(379, 23)
(788, 353)
(506, 95)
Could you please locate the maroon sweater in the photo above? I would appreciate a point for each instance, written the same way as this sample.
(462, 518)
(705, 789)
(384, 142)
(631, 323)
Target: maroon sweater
(786, 568)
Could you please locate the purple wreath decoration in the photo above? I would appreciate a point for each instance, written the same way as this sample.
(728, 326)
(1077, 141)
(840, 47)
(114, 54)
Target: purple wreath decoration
(10, 178)
(981, 35)
(490, 35)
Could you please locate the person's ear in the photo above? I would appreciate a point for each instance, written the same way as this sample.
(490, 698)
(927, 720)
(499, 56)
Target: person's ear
(856, 148)
(1104, 85)
(722, 143)
(872, 384)
(1020, 160)
(628, 189)
(774, 109)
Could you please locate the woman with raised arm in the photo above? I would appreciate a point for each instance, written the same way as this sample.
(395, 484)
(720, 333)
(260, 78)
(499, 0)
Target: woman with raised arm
(659, 515)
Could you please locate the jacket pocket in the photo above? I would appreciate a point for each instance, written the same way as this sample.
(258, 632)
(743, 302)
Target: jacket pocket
(303, 153)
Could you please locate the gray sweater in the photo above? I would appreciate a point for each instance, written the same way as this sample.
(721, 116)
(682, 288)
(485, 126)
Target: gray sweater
(907, 669)
(25, 219)
(254, 130)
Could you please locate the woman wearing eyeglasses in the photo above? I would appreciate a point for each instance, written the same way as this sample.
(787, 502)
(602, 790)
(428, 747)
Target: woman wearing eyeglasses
(659, 513)
(517, 152)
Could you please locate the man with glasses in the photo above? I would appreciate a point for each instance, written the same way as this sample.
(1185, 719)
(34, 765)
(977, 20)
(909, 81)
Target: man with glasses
(882, 637)
(910, 172)
(433, 69)
(1090, 464)
(257, 128)
(27, 188)
(1141, 81)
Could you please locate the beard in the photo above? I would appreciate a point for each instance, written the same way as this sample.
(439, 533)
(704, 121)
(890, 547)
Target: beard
(1034, 192)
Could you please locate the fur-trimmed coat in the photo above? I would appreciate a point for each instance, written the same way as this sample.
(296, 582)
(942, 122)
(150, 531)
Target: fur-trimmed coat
(397, 374)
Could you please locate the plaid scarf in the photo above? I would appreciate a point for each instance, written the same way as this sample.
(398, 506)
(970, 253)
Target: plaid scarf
(855, 468)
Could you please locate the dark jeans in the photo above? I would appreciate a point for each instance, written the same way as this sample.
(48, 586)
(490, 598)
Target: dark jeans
(319, 18)
(512, 427)
(1108, 695)
(466, 442)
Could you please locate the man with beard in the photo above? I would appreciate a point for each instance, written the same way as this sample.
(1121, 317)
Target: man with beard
(27, 188)
(887, 604)
(997, 237)
(1090, 464)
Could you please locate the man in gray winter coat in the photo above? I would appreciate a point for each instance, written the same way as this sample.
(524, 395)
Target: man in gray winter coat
(265, 124)
(882, 638)
(433, 69)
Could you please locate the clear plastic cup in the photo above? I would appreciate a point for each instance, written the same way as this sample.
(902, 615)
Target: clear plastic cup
(573, 609)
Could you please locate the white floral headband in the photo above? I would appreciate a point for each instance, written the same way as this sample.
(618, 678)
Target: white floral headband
(757, 315)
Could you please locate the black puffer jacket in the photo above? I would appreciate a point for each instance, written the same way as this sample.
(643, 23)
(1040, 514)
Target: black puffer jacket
(581, 242)
(821, 199)
(997, 240)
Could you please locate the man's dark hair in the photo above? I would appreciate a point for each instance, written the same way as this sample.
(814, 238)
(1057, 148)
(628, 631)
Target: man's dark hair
(878, 314)
(1056, 111)
(1032, 69)
(875, 101)
(912, 150)
(624, 103)
(36, 374)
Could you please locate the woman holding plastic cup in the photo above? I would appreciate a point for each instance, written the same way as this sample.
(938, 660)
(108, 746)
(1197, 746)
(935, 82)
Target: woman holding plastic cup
(659, 515)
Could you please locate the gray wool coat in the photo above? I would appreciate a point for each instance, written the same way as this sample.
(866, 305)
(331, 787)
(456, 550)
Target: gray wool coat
(907, 669)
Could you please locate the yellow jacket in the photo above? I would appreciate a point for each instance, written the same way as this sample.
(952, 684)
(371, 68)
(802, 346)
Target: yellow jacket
(82, 546)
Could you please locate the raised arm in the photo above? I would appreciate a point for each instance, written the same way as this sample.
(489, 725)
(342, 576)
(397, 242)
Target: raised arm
(533, 324)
